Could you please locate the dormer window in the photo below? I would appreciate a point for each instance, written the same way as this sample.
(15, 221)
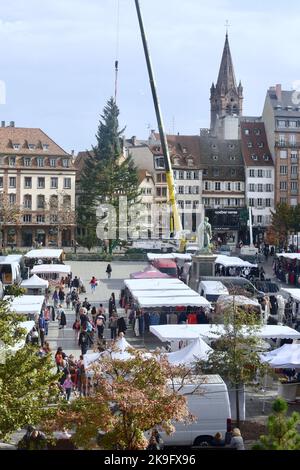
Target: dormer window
(45, 146)
(246, 132)
(214, 146)
(176, 161)
(184, 150)
(254, 157)
(257, 131)
(12, 161)
(231, 146)
(232, 158)
(215, 157)
(261, 145)
(31, 146)
(190, 161)
(65, 163)
(266, 158)
(27, 161)
(250, 145)
(16, 146)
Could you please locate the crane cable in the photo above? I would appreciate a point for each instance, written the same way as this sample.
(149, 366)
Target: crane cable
(117, 49)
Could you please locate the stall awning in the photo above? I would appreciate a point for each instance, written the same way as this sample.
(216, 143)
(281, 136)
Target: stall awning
(231, 261)
(35, 282)
(165, 293)
(151, 302)
(51, 269)
(237, 300)
(44, 253)
(188, 332)
(173, 256)
(289, 255)
(26, 304)
(149, 273)
(286, 357)
(295, 293)
(198, 350)
(154, 284)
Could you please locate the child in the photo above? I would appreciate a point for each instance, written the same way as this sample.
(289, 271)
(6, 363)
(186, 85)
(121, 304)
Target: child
(68, 386)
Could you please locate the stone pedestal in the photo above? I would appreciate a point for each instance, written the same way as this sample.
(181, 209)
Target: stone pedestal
(203, 265)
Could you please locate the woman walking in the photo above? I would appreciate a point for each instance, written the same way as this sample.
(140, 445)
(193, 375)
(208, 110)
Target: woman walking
(108, 271)
(93, 284)
(113, 325)
(61, 316)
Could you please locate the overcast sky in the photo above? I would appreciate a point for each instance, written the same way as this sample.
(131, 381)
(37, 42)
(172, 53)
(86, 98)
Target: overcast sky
(57, 60)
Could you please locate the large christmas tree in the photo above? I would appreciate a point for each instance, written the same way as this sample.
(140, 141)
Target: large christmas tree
(106, 177)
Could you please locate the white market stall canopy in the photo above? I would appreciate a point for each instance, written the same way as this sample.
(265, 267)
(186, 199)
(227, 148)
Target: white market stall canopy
(238, 300)
(198, 350)
(193, 301)
(189, 332)
(289, 255)
(26, 304)
(51, 269)
(286, 357)
(44, 253)
(165, 293)
(35, 282)
(25, 325)
(154, 284)
(171, 256)
(295, 293)
(231, 261)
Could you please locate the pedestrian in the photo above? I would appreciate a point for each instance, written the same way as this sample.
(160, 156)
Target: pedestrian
(218, 440)
(76, 328)
(81, 377)
(108, 271)
(61, 317)
(34, 336)
(33, 440)
(83, 341)
(68, 300)
(237, 441)
(100, 323)
(113, 325)
(86, 304)
(75, 282)
(55, 298)
(47, 320)
(83, 317)
(68, 387)
(121, 325)
(61, 296)
(59, 359)
(94, 314)
(112, 304)
(46, 348)
(93, 284)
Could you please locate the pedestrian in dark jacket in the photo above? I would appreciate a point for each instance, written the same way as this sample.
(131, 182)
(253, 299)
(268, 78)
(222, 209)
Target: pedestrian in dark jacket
(61, 316)
(121, 325)
(33, 440)
(42, 328)
(83, 342)
(108, 271)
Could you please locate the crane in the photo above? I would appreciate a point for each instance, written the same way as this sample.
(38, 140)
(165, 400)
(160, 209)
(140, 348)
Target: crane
(175, 224)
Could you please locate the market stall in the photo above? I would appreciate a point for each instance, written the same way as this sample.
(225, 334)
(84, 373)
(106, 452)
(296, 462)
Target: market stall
(244, 303)
(233, 266)
(172, 256)
(44, 256)
(197, 350)
(150, 272)
(51, 272)
(30, 305)
(35, 285)
(287, 268)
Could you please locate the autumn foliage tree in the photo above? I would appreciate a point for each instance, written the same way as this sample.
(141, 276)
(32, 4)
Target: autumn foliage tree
(128, 398)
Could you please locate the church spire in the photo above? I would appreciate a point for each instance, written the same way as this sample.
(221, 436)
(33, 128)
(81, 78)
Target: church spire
(226, 79)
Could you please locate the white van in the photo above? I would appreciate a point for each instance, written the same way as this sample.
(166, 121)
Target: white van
(10, 272)
(212, 290)
(208, 402)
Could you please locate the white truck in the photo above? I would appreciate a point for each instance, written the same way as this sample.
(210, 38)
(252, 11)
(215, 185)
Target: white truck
(208, 402)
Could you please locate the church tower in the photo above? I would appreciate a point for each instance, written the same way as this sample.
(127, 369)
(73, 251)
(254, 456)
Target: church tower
(226, 98)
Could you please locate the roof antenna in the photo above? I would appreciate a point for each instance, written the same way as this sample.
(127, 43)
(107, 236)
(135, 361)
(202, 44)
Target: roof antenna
(117, 50)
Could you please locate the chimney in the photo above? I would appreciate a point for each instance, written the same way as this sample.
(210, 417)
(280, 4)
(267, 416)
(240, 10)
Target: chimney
(133, 140)
(279, 92)
(2, 123)
(12, 124)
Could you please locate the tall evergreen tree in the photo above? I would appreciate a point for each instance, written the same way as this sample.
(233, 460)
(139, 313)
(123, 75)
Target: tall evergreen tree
(106, 176)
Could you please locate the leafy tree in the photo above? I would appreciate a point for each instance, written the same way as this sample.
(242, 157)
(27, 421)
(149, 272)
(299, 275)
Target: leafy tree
(27, 381)
(236, 350)
(106, 176)
(129, 398)
(282, 430)
(282, 223)
(10, 214)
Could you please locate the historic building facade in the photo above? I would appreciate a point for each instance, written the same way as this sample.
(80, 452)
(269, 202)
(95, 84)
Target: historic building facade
(37, 189)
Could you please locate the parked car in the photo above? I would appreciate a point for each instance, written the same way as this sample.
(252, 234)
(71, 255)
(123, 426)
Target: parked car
(236, 285)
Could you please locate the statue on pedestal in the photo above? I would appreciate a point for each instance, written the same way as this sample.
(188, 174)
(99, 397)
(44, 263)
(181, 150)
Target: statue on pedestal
(204, 236)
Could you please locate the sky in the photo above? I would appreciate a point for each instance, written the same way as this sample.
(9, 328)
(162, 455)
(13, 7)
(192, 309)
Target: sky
(57, 61)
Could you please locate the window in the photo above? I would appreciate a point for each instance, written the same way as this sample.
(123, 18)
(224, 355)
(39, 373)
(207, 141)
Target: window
(216, 172)
(283, 153)
(12, 199)
(260, 202)
(266, 158)
(205, 172)
(257, 131)
(188, 175)
(195, 204)
(53, 218)
(195, 189)
(254, 157)
(27, 161)
(233, 172)
(283, 185)
(206, 201)
(251, 202)
(252, 188)
(12, 181)
(292, 139)
(294, 157)
(252, 173)
(181, 204)
(217, 186)
(283, 170)
(41, 183)
(196, 175)
(31, 146)
(1, 181)
(40, 219)
(268, 202)
(293, 123)
(259, 219)
(294, 170)
(164, 192)
(246, 132)
(260, 173)
(207, 186)
(269, 188)
(232, 158)
(260, 188)
(260, 145)
(250, 145)
(53, 162)
(54, 183)
(28, 182)
(143, 190)
(45, 146)
(159, 162)
(40, 162)
(188, 204)
(164, 177)
(158, 177)
(294, 186)
(158, 192)
(65, 163)
(27, 201)
(181, 189)
(181, 175)
(175, 174)
(217, 202)
(12, 161)
(216, 158)
(53, 202)
(149, 190)
(27, 218)
(40, 201)
(238, 186)
(228, 186)
(294, 202)
(67, 184)
(281, 124)
(283, 200)
(16, 146)
(268, 173)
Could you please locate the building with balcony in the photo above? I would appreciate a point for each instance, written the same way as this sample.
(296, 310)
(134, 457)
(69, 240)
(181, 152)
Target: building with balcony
(260, 176)
(281, 116)
(37, 189)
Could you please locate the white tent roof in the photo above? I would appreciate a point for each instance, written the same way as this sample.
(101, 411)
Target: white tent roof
(154, 284)
(193, 301)
(35, 282)
(238, 299)
(198, 350)
(289, 255)
(188, 332)
(286, 357)
(214, 288)
(44, 253)
(165, 293)
(231, 261)
(295, 293)
(172, 256)
(26, 303)
(26, 325)
(51, 268)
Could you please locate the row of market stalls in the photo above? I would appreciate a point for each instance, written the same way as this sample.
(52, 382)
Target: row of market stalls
(287, 268)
